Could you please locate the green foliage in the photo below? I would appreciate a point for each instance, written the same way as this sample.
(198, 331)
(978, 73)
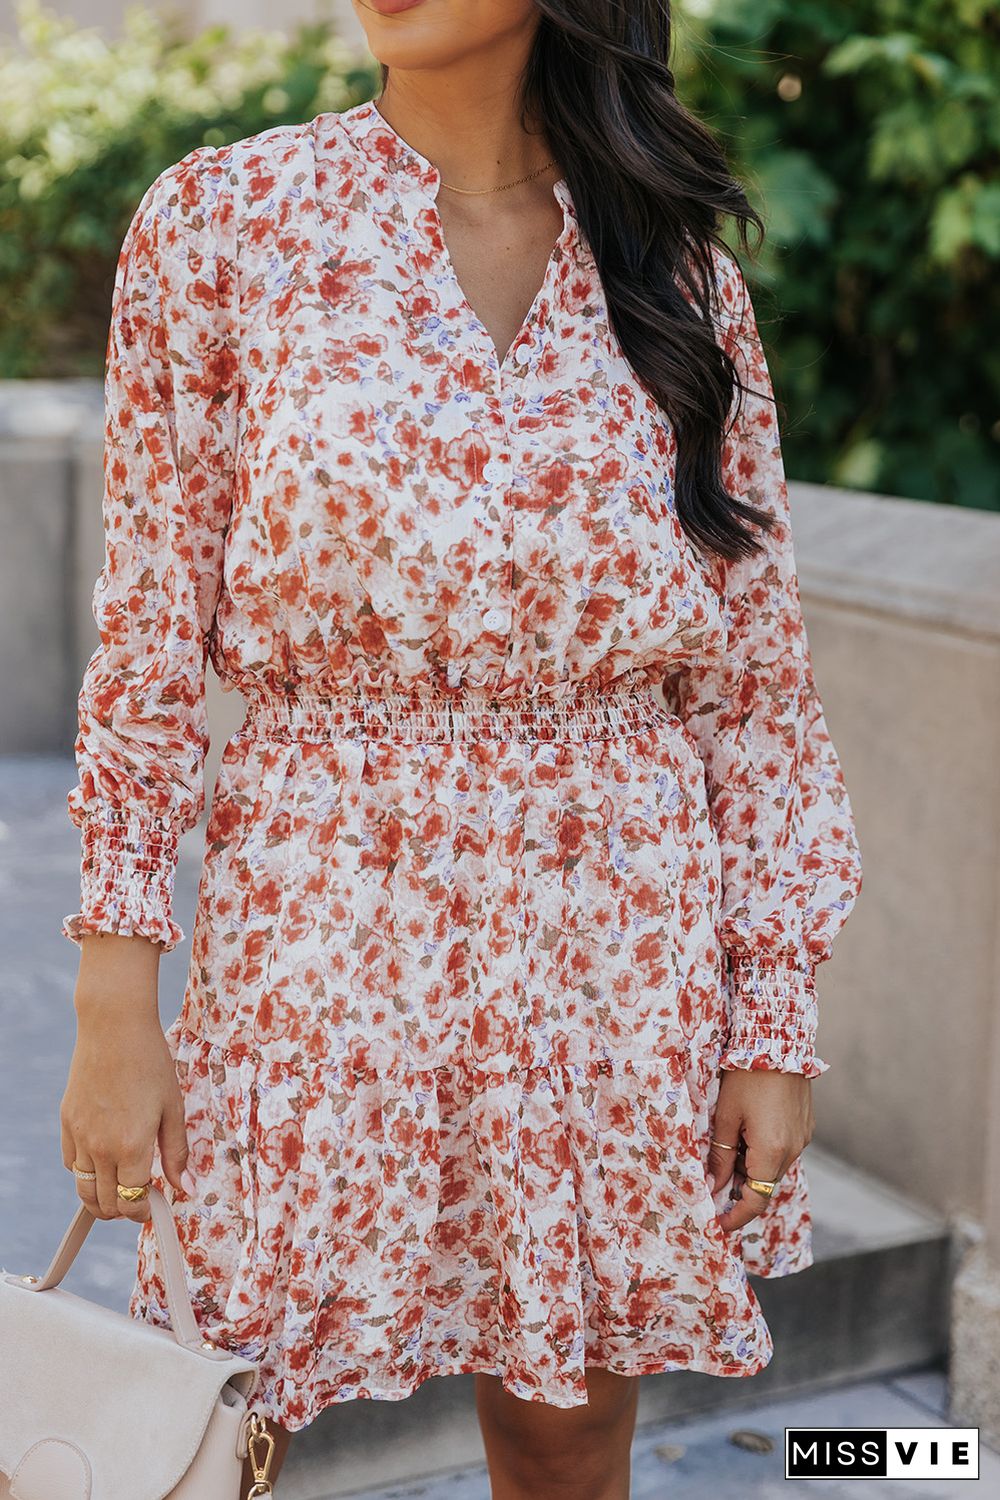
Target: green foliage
(868, 138)
(86, 125)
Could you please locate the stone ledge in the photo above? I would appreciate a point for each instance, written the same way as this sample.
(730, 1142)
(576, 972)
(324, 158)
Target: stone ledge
(51, 411)
(911, 559)
(974, 1364)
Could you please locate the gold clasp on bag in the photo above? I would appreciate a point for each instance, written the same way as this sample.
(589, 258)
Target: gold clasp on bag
(261, 1466)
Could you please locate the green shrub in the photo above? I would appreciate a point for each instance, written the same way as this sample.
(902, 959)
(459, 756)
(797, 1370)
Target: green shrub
(869, 138)
(86, 125)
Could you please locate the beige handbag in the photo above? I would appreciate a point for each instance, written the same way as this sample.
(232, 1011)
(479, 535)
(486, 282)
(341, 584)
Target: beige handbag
(98, 1405)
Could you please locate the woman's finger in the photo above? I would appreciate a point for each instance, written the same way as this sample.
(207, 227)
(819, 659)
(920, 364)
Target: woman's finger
(74, 1156)
(86, 1187)
(68, 1145)
(134, 1169)
(726, 1125)
(107, 1184)
(750, 1204)
(172, 1140)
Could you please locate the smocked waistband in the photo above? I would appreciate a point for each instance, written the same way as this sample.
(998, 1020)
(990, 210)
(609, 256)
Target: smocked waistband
(416, 718)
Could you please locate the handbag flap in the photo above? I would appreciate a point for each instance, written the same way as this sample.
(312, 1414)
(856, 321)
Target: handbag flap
(123, 1391)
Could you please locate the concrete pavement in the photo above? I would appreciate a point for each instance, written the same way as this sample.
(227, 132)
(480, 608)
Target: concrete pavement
(696, 1460)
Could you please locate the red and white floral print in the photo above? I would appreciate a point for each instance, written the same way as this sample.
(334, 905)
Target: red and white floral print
(533, 823)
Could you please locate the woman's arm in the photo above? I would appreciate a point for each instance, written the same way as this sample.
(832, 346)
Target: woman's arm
(122, 1096)
(170, 413)
(791, 864)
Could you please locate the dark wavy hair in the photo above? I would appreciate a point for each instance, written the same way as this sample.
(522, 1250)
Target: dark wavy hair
(651, 187)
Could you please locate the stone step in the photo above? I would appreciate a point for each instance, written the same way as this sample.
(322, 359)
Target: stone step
(875, 1302)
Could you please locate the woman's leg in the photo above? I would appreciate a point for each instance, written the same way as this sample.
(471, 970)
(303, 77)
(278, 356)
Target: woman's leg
(281, 1442)
(582, 1452)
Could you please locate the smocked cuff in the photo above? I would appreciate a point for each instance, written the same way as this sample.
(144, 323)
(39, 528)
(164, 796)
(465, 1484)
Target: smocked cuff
(772, 1017)
(127, 867)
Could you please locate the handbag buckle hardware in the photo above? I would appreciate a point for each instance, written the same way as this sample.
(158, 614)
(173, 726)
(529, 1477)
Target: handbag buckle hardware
(261, 1466)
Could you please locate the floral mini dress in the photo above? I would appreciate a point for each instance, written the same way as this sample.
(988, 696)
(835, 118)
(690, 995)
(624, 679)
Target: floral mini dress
(533, 824)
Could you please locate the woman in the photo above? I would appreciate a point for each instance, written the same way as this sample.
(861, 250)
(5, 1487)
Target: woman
(442, 426)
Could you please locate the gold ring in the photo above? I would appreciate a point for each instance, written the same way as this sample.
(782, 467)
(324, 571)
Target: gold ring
(133, 1194)
(759, 1186)
(79, 1172)
(722, 1146)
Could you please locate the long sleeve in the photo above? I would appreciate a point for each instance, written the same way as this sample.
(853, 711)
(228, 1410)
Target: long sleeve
(169, 436)
(791, 866)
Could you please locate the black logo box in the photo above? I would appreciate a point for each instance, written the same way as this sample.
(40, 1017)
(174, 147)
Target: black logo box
(853, 1452)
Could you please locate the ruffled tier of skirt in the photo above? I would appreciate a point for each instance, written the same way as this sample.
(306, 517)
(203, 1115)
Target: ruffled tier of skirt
(355, 1232)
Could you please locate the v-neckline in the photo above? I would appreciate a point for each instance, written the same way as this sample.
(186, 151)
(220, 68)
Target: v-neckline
(422, 175)
(502, 361)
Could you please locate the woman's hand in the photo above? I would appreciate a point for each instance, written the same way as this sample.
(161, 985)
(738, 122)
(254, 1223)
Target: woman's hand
(122, 1096)
(773, 1113)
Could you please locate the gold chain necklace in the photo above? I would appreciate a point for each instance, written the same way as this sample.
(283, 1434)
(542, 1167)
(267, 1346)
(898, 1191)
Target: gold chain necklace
(503, 186)
(477, 192)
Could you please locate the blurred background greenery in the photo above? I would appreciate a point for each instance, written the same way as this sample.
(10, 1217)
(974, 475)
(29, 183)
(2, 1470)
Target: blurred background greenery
(89, 120)
(868, 136)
